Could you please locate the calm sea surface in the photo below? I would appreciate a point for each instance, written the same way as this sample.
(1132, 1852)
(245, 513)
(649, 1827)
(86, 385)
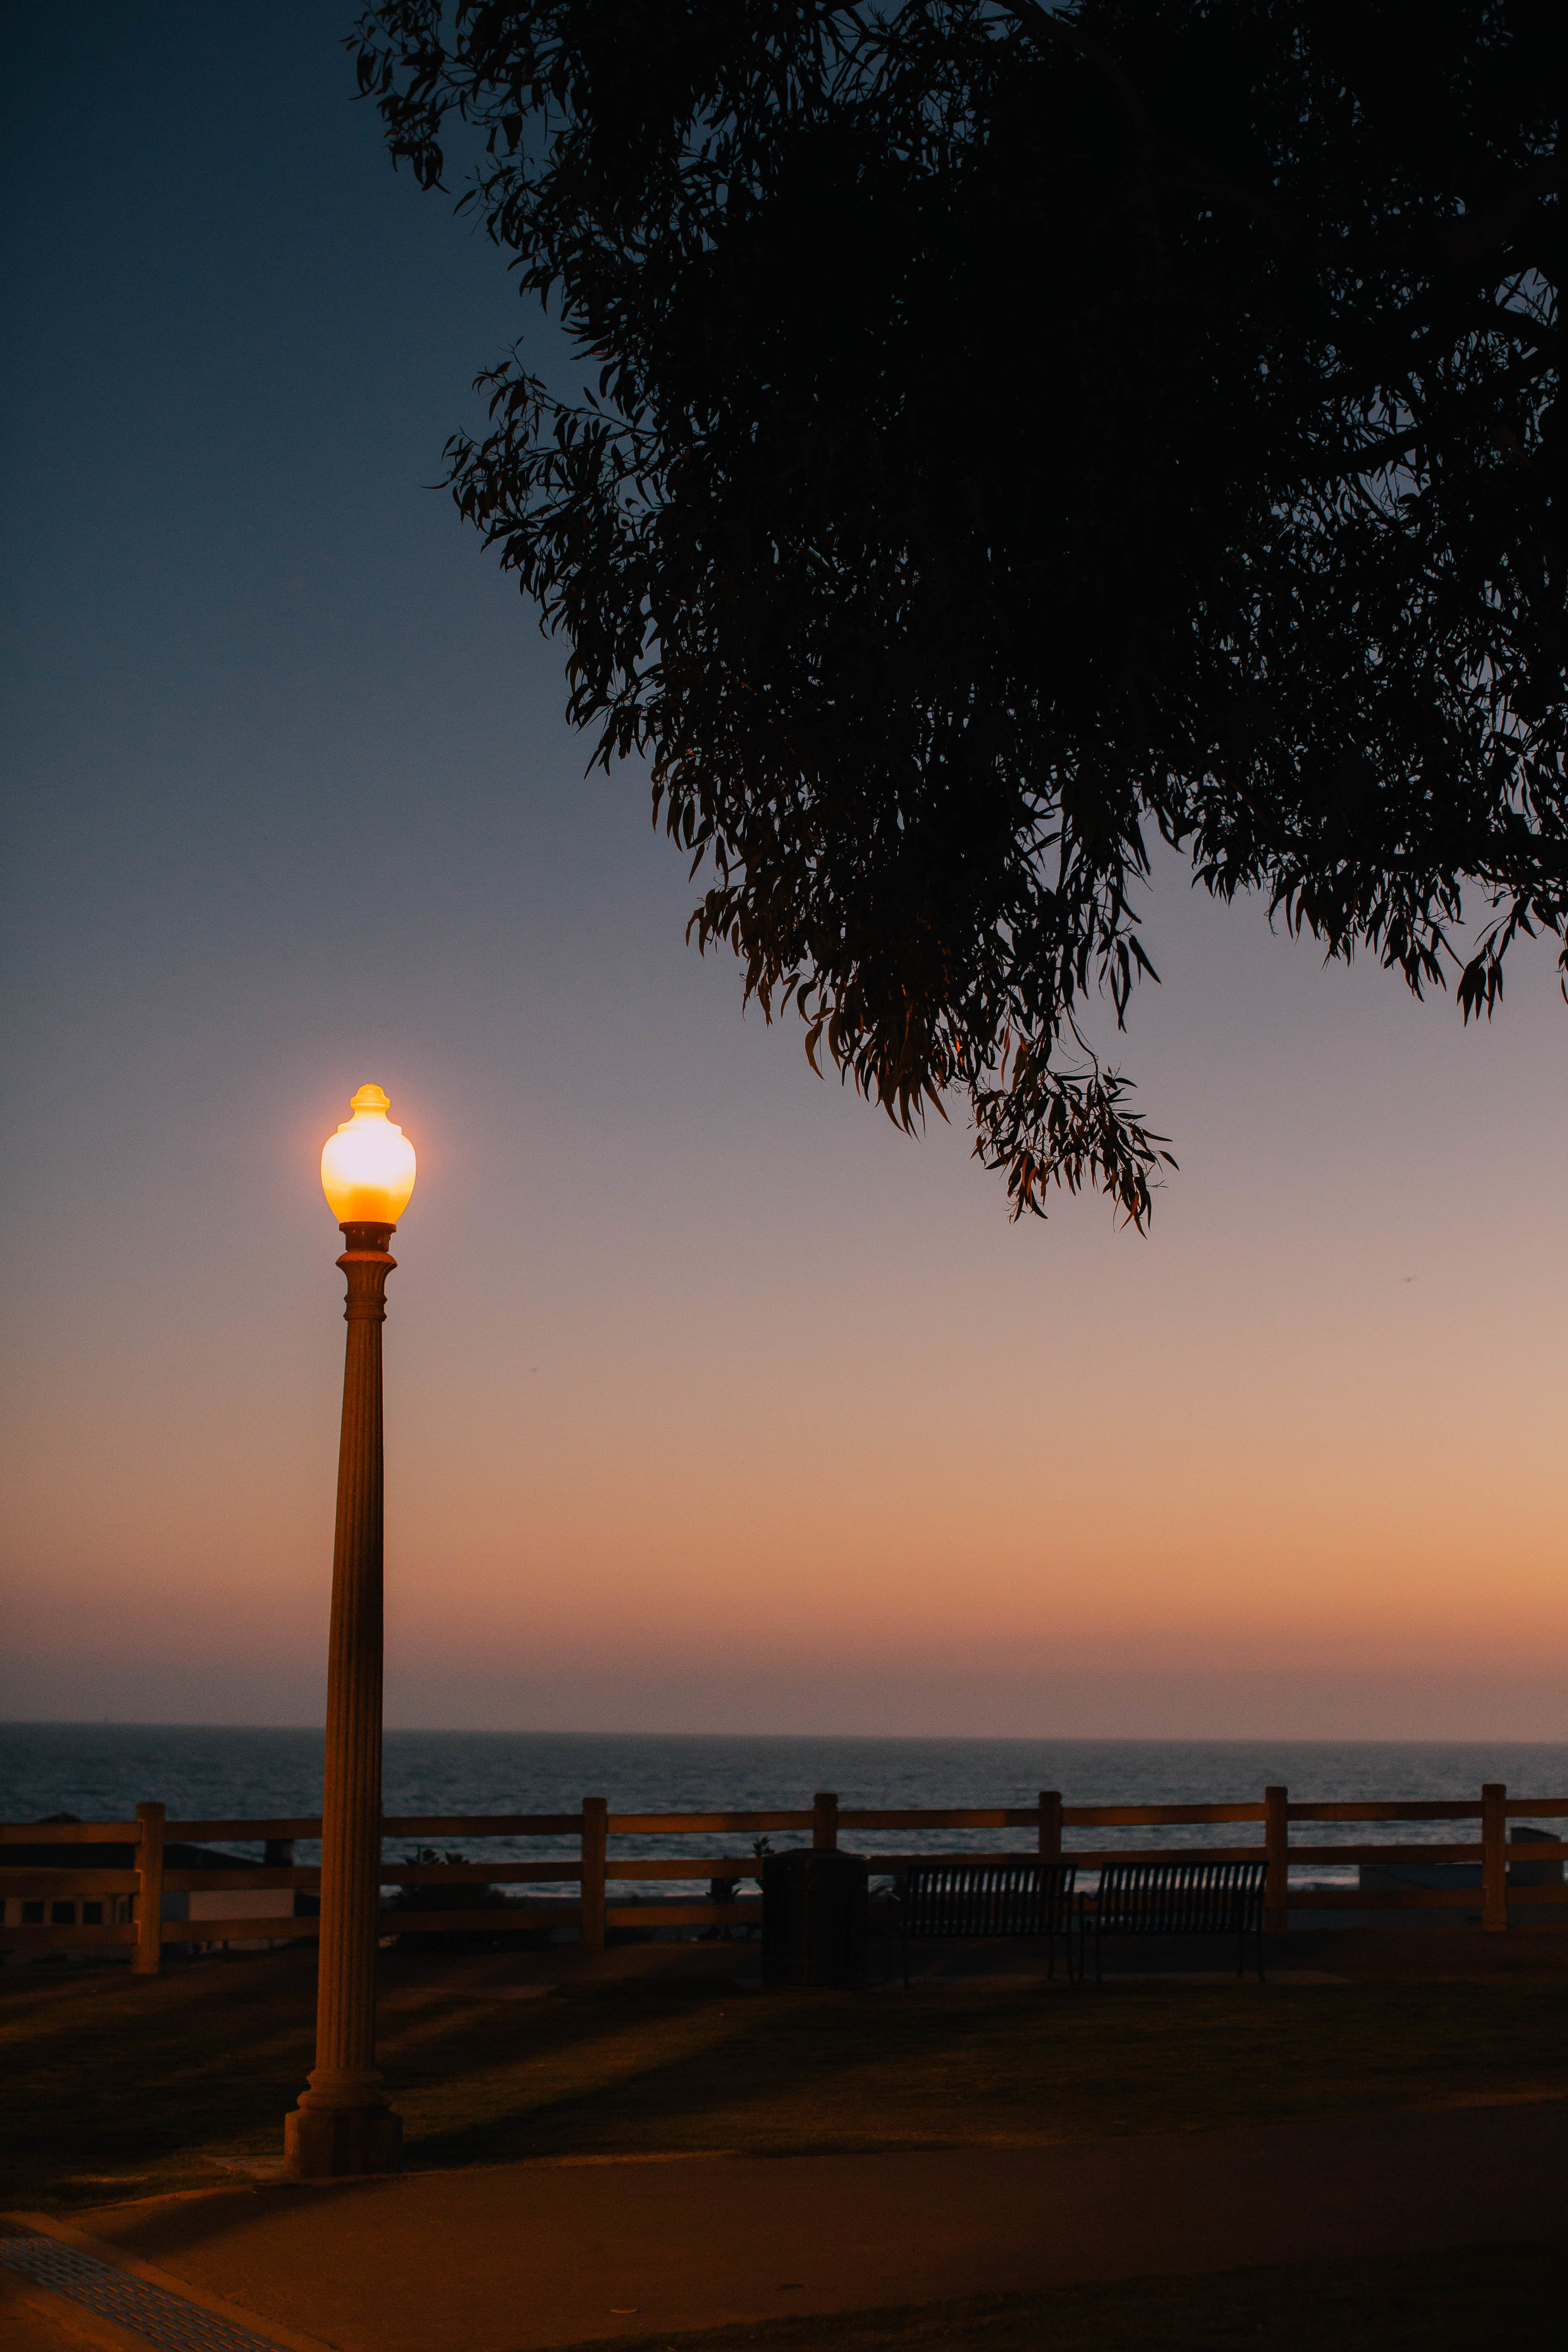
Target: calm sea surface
(99, 1771)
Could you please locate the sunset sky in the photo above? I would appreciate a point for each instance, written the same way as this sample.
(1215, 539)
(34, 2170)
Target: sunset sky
(713, 1403)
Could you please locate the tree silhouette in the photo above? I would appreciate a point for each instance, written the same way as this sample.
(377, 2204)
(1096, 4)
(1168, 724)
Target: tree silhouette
(1015, 434)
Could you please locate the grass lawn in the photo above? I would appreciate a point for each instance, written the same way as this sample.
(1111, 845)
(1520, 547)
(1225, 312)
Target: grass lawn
(117, 2086)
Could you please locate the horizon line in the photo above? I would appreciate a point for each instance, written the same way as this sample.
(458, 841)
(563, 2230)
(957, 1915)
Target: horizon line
(869, 1738)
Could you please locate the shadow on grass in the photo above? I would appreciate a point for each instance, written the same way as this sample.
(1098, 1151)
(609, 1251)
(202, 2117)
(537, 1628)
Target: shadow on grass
(636, 2069)
(643, 2069)
(120, 2086)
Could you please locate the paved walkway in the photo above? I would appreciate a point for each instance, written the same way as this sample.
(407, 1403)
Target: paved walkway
(502, 2258)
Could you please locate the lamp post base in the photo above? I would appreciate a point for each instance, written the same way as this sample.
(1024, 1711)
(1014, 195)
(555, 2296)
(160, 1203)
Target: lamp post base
(339, 2143)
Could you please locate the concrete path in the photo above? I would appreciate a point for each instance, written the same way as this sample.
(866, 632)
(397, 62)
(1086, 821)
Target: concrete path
(502, 2258)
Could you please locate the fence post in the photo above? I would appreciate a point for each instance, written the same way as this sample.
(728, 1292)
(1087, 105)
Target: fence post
(590, 1931)
(1051, 1824)
(1277, 1852)
(147, 1957)
(1494, 1856)
(824, 1818)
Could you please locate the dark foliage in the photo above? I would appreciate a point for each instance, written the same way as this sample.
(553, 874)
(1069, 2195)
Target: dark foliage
(448, 1895)
(457, 1895)
(1015, 436)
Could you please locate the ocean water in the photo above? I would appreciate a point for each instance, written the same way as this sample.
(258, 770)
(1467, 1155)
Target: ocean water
(99, 1771)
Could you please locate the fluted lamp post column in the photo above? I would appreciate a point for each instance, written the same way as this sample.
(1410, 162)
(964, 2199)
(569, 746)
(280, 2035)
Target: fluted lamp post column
(343, 2123)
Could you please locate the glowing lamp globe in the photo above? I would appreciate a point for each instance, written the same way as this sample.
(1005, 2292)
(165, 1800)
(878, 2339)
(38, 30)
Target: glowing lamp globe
(367, 1167)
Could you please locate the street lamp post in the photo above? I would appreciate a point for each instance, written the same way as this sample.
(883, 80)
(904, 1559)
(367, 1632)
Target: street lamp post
(343, 2123)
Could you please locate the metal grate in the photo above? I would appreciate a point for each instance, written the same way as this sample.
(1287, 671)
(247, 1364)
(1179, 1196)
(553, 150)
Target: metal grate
(164, 2319)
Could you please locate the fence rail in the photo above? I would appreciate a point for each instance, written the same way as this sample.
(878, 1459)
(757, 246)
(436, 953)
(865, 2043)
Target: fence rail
(89, 1906)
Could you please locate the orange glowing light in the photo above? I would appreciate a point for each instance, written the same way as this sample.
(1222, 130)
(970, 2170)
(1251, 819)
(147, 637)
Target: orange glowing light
(367, 1167)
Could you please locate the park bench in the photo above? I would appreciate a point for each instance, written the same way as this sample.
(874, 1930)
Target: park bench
(1178, 1898)
(964, 1899)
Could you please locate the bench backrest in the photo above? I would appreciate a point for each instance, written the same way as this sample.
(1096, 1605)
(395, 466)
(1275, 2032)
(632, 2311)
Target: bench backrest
(987, 1898)
(1181, 1898)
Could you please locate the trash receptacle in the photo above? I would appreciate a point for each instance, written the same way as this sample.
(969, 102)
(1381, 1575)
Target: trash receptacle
(814, 1917)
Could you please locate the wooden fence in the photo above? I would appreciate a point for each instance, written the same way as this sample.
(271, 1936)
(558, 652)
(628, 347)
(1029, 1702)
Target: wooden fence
(60, 1909)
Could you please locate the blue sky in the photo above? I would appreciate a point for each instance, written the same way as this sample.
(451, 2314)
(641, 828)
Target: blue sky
(712, 1403)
